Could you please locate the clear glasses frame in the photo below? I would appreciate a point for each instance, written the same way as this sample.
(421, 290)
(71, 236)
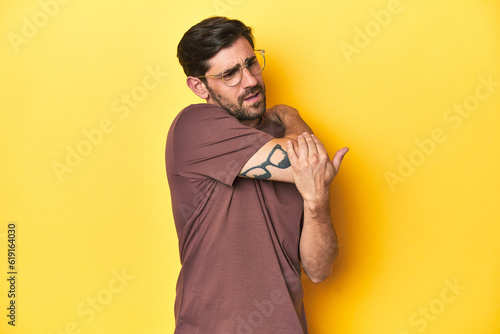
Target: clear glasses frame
(229, 74)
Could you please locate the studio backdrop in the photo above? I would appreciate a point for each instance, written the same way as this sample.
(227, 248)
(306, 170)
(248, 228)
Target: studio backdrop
(88, 90)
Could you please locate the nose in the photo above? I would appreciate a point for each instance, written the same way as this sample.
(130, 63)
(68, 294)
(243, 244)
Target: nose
(248, 80)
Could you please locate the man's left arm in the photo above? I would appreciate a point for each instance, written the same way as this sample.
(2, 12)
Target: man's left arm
(313, 173)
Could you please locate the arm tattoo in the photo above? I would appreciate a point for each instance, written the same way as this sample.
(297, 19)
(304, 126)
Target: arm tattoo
(280, 160)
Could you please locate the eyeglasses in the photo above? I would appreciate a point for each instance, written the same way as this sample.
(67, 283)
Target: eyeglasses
(232, 76)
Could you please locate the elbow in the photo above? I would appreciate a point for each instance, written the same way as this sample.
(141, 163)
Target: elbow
(319, 269)
(320, 276)
(318, 279)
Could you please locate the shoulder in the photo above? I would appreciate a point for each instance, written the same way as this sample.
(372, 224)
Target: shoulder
(205, 119)
(202, 112)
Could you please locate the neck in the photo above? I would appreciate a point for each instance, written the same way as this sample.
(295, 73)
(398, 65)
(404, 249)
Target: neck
(252, 123)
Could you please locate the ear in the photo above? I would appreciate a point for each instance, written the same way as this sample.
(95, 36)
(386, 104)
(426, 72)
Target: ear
(198, 87)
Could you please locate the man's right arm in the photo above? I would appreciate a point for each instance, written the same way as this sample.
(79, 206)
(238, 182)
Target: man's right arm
(271, 161)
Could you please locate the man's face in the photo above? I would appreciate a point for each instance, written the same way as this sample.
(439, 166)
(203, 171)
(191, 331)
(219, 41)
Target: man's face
(245, 101)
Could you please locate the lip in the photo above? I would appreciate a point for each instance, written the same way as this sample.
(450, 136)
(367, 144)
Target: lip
(253, 97)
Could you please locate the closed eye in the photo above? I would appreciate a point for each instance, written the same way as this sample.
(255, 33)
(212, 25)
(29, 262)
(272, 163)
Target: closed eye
(251, 62)
(230, 73)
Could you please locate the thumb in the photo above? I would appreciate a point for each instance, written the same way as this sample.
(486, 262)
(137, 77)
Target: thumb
(339, 156)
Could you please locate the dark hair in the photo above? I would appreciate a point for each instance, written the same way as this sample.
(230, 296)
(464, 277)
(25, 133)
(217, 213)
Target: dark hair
(203, 40)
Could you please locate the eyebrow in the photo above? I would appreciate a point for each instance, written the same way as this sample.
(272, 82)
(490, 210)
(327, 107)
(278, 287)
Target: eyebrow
(238, 65)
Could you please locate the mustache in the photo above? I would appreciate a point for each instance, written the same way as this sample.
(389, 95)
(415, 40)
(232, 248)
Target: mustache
(250, 91)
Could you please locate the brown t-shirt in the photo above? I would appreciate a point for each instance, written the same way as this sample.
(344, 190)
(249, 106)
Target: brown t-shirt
(238, 237)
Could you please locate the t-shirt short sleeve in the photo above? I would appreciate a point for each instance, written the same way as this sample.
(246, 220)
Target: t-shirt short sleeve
(210, 142)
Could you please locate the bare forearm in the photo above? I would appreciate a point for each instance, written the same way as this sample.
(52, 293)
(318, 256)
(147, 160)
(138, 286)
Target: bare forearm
(313, 172)
(295, 126)
(291, 121)
(318, 242)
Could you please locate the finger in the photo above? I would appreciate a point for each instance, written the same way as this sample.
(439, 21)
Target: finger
(303, 150)
(339, 156)
(319, 145)
(292, 156)
(311, 145)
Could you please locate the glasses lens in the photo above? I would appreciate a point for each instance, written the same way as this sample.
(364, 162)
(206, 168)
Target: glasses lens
(255, 65)
(232, 76)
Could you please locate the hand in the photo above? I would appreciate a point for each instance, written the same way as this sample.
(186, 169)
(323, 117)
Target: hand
(312, 169)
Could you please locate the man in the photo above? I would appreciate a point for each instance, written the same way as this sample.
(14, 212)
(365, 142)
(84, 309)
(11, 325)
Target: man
(250, 193)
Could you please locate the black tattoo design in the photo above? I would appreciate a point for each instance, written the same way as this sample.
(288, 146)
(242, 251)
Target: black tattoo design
(261, 172)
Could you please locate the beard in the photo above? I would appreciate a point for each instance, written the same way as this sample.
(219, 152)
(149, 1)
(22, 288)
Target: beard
(243, 113)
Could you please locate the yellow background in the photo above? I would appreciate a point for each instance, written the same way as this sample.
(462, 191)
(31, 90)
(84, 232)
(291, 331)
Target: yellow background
(411, 219)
